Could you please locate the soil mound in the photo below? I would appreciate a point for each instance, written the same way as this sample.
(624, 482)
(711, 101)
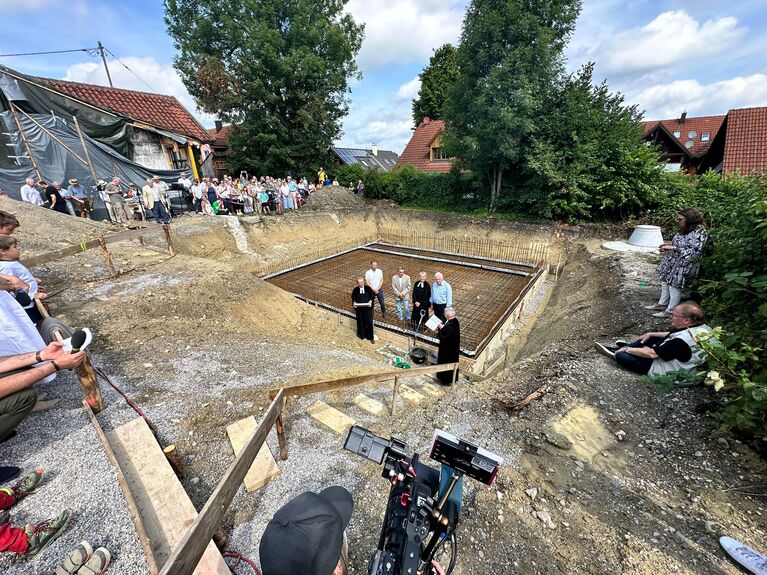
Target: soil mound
(43, 230)
(334, 198)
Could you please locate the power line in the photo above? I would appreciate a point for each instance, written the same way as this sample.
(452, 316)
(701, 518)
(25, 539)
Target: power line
(89, 50)
(129, 70)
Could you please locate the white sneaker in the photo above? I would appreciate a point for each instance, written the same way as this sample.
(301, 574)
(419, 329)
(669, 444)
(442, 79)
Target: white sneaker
(662, 314)
(654, 306)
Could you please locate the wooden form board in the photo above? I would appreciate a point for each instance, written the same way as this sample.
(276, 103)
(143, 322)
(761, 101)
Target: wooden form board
(330, 417)
(411, 394)
(165, 509)
(432, 389)
(264, 468)
(369, 404)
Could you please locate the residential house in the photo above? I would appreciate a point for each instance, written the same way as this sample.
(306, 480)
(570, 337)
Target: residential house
(221, 150)
(424, 151)
(684, 141)
(372, 159)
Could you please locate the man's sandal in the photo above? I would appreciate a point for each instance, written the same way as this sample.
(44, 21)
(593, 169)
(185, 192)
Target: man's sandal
(97, 563)
(76, 559)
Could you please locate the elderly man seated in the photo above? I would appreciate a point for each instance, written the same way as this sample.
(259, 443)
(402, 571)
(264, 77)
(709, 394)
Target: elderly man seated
(662, 352)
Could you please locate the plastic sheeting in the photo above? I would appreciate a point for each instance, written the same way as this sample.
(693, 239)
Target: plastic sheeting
(56, 163)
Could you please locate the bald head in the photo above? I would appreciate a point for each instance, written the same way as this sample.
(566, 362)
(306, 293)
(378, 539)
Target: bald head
(449, 313)
(438, 278)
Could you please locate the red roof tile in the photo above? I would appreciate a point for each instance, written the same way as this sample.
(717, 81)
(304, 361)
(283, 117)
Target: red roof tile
(745, 145)
(417, 151)
(220, 137)
(701, 125)
(158, 110)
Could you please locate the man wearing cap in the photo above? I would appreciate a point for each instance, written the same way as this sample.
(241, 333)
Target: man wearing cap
(75, 196)
(152, 196)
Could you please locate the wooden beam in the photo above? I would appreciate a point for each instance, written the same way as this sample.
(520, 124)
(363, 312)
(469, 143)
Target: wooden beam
(189, 550)
(23, 137)
(264, 468)
(107, 257)
(52, 135)
(85, 150)
(132, 508)
(329, 385)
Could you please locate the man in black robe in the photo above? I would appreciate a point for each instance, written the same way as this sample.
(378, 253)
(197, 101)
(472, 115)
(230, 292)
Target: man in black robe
(421, 300)
(362, 301)
(449, 334)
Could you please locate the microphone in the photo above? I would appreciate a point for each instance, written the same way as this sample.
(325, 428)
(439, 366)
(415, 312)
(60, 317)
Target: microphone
(78, 340)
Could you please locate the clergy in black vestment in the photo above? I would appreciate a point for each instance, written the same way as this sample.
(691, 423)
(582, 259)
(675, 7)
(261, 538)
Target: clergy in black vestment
(449, 335)
(362, 300)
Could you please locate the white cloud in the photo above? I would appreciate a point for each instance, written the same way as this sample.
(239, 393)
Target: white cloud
(409, 90)
(163, 79)
(670, 38)
(7, 6)
(669, 100)
(405, 31)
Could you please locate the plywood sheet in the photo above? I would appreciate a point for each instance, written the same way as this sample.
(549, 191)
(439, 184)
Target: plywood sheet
(432, 389)
(163, 505)
(411, 394)
(264, 468)
(369, 404)
(330, 417)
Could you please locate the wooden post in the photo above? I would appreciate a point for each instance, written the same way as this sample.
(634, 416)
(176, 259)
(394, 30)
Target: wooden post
(190, 549)
(281, 438)
(394, 395)
(107, 257)
(24, 140)
(166, 229)
(455, 373)
(55, 139)
(85, 150)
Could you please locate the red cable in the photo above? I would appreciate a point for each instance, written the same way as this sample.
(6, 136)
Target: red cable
(130, 402)
(240, 558)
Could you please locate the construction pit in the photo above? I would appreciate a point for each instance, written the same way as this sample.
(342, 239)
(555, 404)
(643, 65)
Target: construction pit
(600, 474)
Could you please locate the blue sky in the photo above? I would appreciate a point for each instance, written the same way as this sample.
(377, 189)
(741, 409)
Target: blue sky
(702, 56)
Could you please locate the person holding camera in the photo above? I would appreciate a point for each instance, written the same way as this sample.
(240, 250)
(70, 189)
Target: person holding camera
(307, 535)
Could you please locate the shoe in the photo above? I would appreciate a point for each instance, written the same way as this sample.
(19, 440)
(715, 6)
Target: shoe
(97, 563)
(662, 314)
(8, 473)
(5, 516)
(654, 306)
(46, 532)
(27, 484)
(11, 435)
(74, 562)
(604, 350)
(619, 343)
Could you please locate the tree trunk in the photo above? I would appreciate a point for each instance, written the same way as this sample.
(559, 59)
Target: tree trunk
(495, 186)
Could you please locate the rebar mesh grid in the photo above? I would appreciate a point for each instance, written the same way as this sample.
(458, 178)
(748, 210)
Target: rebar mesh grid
(481, 297)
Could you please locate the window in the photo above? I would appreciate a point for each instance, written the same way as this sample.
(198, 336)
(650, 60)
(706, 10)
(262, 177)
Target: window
(705, 136)
(689, 144)
(691, 134)
(677, 134)
(438, 155)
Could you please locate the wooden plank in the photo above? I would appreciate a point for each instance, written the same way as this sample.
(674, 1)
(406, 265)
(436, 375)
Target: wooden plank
(163, 505)
(264, 468)
(369, 404)
(188, 552)
(411, 394)
(432, 389)
(132, 508)
(316, 387)
(330, 417)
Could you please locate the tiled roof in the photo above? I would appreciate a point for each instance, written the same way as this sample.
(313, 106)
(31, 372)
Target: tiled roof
(158, 110)
(220, 137)
(701, 125)
(382, 160)
(417, 151)
(745, 146)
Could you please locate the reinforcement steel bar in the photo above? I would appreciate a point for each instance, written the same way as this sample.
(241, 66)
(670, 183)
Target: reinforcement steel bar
(500, 261)
(447, 261)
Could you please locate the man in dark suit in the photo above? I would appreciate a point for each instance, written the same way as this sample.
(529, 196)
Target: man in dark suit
(362, 301)
(449, 334)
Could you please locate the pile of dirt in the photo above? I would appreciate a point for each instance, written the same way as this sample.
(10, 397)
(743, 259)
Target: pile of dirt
(334, 198)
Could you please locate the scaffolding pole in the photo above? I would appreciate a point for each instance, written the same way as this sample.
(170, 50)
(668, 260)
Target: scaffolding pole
(24, 139)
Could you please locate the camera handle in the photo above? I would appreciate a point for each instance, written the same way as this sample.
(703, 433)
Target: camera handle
(437, 515)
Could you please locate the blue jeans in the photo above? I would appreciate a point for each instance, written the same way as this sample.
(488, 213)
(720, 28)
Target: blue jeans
(160, 213)
(640, 365)
(381, 301)
(402, 303)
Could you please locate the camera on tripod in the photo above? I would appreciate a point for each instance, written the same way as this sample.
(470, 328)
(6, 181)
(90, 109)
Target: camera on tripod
(424, 504)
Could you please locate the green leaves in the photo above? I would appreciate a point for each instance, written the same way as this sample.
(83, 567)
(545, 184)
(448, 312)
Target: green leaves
(436, 80)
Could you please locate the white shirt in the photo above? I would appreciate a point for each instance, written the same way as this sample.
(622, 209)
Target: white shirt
(197, 190)
(17, 332)
(374, 278)
(31, 194)
(186, 182)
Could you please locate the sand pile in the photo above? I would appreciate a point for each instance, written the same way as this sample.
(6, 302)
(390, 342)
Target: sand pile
(334, 198)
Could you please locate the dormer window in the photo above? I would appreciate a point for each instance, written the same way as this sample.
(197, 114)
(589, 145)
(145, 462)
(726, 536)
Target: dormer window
(705, 136)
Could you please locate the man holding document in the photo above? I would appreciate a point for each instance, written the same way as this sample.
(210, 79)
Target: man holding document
(362, 301)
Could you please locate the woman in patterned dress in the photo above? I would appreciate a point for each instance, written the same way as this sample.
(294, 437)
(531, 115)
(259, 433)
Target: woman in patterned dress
(679, 264)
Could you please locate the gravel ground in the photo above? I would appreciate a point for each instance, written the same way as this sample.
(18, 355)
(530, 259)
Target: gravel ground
(78, 475)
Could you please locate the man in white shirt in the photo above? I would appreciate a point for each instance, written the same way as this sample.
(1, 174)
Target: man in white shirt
(152, 195)
(374, 279)
(184, 181)
(198, 189)
(30, 193)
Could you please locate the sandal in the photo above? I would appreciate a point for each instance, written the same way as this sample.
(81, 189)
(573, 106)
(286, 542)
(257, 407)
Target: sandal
(97, 563)
(76, 559)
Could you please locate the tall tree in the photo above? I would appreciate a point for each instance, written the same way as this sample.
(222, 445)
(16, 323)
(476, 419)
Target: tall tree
(436, 78)
(276, 69)
(509, 58)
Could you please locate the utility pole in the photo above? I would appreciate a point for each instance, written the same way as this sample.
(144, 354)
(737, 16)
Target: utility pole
(103, 59)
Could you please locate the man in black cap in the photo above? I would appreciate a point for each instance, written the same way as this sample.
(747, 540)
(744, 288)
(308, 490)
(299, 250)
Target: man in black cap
(306, 535)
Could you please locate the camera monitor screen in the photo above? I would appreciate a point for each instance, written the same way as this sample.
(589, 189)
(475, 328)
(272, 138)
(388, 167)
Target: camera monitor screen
(473, 461)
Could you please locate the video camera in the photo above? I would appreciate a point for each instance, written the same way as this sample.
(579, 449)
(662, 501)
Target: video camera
(424, 504)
